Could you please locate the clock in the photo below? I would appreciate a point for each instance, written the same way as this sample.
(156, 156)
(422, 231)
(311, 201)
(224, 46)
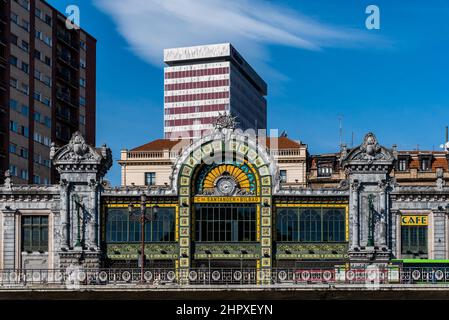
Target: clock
(225, 185)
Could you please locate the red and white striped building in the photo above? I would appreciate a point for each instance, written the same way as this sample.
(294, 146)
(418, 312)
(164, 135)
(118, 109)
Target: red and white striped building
(203, 81)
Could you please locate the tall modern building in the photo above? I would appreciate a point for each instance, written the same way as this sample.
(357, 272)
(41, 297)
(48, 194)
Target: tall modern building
(203, 81)
(47, 87)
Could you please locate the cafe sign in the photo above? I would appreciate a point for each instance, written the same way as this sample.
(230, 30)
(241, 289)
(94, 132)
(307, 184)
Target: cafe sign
(414, 220)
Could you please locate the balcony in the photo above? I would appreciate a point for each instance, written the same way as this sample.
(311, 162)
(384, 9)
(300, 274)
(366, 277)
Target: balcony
(150, 155)
(63, 136)
(66, 77)
(67, 39)
(66, 59)
(65, 97)
(3, 85)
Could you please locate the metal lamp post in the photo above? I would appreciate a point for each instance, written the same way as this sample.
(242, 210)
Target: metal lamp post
(143, 218)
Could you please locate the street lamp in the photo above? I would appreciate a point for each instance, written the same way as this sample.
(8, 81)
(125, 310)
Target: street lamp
(143, 218)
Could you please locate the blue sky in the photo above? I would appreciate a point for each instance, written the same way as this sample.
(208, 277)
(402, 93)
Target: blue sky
(317, 57)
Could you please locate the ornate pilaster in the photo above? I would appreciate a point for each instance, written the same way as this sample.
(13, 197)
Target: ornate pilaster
(368, 167)
(354, 215)
(81, 168)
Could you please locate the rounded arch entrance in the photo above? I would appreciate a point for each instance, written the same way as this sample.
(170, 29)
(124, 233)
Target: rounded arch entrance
(225, 169)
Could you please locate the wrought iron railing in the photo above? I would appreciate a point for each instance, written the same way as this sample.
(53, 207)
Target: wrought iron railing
(75, 277)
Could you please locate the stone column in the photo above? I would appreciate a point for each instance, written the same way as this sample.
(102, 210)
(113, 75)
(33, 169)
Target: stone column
(9, 246)
(439, 239)
(382, 234)
(354, 215)
(65, 211)
(92, 222)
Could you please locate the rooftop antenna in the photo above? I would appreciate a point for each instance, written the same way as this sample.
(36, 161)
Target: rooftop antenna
(445, 145)
(340, 119)
(352, 139)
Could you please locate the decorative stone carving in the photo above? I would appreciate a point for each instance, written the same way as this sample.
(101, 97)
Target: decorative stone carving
(370, 147)
(8, 182)
(440, 179)
(368, 153)
(225, 121)
(78, 156)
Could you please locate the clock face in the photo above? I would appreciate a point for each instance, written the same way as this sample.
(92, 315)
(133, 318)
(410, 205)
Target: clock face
(226, 186)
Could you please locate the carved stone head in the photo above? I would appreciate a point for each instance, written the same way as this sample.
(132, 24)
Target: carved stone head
(370, 145)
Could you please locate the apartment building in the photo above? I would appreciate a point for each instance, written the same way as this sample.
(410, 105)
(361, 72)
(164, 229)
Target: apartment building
(47, 87)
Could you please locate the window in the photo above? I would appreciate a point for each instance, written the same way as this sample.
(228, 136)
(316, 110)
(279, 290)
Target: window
(37, 74)
(333, 226)
(13, 104)
(47, 60)
(414, 240)
(35, 233)
(25, 67)
(426, 163)
(325, 169)
(47, 80)
(283, 175)
(38, 34)
(402, 163)
(36, 179)
(47, 122)
(24, 88)
(47, 19)
(47, 141)
(25, 25)
(311, 224)
(46, 101)
(13, 126)
(120, 228)
(37, 54)
(225, 222)
(14, 39)
(83, 45)
(12, 148)
(24, 3)
(83, 63)
(82, 119)
(82, 101)
(24, 153)
(14, 83)
(13, 170)
(13, 61)
(150, 178)
(25, 46)
(24, 174)
(82, 82)
(37, 96)
(25, 110)
(14, 18)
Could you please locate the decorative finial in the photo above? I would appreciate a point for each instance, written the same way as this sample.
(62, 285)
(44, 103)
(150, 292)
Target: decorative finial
(225, 121)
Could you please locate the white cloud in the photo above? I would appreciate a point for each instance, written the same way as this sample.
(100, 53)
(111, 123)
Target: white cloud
(251, 25)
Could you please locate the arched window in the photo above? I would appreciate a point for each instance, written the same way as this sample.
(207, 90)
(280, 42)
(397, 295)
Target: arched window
(333, 225)
(310, 226)
(287, 225)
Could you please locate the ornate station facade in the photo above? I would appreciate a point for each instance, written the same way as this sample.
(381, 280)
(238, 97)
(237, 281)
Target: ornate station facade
(227, 205)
